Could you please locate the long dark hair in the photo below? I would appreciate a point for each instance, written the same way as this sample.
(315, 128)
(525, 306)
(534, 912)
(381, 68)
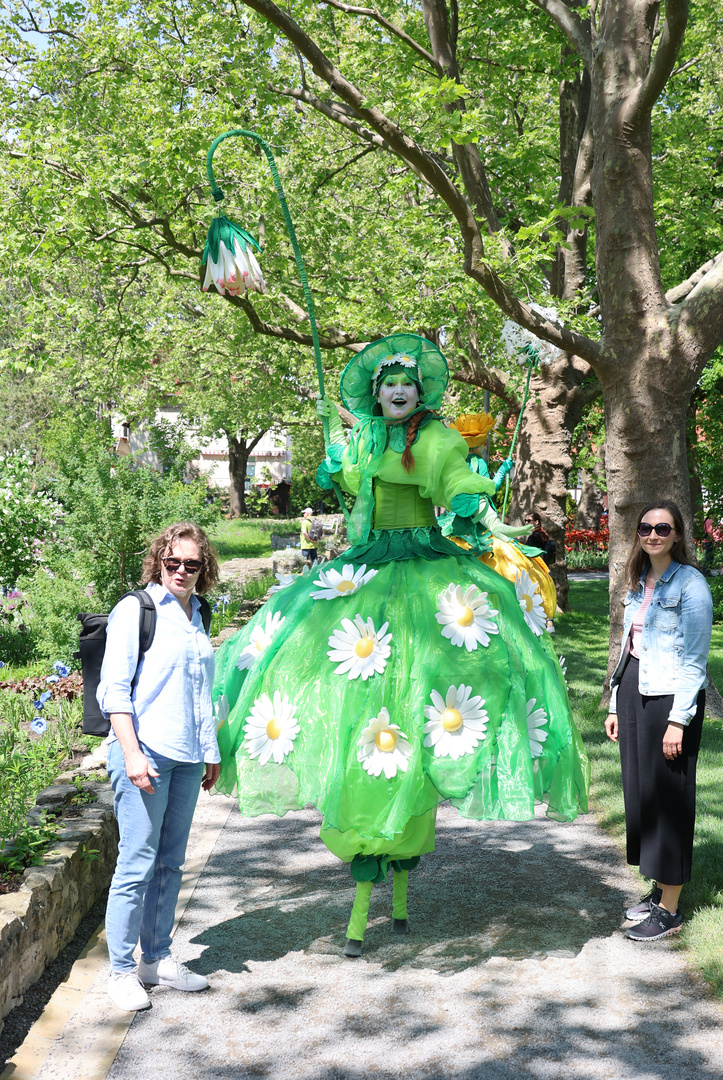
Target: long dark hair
(639, 561)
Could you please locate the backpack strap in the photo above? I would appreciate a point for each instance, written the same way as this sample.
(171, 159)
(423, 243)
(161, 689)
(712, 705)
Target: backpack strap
(205, 612)
(146, 621)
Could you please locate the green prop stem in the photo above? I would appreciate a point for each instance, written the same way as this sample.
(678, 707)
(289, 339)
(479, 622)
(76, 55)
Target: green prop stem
(219, 195)
(532, 353)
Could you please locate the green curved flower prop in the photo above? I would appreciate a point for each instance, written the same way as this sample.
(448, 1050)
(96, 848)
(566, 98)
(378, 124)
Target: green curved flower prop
(230, 261)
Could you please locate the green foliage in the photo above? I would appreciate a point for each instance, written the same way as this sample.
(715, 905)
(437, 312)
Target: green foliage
(26, 517)
(113, 507)
(237, 539)
(716, 588)
(16, 638)
(29, 763)
(54, 599)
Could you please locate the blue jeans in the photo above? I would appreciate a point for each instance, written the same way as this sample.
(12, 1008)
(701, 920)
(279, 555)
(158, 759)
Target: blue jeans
(153, 837)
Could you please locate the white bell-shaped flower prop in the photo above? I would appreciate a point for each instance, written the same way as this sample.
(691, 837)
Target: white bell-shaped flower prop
(230, 261)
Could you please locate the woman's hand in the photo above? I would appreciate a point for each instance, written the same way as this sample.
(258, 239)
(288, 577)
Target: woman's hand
(140, 771)
(611, 726)
(211, 775)
(673, 741)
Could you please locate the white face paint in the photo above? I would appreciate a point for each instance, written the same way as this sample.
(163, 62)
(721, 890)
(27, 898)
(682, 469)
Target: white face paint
(398, 396)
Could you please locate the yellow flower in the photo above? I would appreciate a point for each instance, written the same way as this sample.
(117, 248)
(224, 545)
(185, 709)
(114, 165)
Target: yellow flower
(474, 427)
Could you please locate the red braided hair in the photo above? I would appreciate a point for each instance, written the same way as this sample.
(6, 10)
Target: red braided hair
(407, 457)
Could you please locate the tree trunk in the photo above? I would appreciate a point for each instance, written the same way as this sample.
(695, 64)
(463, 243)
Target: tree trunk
(587, 515)
(238, 457)
(544, 460)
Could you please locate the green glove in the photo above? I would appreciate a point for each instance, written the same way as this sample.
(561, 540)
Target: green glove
(325, 407)
(502, 472)
(487, 516)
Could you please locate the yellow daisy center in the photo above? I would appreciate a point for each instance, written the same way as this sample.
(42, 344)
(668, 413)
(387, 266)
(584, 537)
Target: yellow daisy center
(528, 601)
(345, 586)
(364, 647)
(452, 720)
(385, 741)
(261, 644)
(467, 617)
(273, 728)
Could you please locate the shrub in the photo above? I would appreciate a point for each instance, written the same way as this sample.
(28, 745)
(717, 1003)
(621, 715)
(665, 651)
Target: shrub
(26, 516)
(54, 599)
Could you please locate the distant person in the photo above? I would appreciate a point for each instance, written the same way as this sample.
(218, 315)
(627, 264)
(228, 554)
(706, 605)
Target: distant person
(656, 712)
(540, 539)
(709, 539)
(163, 749)
(309, 535)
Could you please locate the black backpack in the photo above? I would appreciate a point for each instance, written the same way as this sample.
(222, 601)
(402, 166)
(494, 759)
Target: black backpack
(91, 649)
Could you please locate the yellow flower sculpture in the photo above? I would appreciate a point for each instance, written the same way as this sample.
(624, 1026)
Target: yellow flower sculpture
(474, 427)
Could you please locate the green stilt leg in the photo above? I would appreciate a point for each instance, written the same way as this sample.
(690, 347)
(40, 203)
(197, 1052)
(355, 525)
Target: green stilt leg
(400, 881)
(360, 911)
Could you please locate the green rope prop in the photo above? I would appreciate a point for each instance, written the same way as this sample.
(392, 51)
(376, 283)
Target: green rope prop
(227, 231)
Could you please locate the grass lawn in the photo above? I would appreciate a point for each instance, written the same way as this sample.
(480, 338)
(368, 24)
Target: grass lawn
(582, 639)
(244, 539)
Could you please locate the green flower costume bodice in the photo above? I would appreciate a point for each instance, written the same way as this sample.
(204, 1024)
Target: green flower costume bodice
(400, 506)
(401, 674)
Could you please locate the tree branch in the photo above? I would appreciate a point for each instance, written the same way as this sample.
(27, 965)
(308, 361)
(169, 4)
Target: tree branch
(700, 316)
(395, 30)
(679, 292)
(414, 155)
(662, 64)
(569, 22)
(331, 173)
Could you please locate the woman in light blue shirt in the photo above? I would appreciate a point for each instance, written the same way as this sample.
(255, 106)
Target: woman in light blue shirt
(163, 748)
(656, 712)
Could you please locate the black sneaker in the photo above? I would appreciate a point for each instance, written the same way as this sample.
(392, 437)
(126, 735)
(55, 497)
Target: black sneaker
(640, 911)
(659, 924)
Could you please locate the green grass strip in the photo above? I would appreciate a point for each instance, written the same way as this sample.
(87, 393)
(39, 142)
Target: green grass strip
(582, 638)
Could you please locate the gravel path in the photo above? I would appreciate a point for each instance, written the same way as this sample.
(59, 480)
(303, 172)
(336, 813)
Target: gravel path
(515, 967)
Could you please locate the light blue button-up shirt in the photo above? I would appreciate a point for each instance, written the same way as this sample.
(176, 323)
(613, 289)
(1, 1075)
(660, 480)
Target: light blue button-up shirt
(171, 700)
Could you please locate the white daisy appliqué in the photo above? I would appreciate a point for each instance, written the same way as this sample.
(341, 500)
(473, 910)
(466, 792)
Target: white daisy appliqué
(271, 728)
(455, 724)
(333, 583)
(282, 582)
(536, 720)
(261, 638)
(466, 617)
(361, 649)
(383, 747)
(563, 667)
(530, 600)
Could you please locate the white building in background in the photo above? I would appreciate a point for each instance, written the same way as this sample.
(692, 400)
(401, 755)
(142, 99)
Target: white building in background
(268, 465)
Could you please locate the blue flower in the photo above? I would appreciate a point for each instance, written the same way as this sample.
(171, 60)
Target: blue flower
(217, 605)
(61, 669)
(39, 705)
(45, 696)
(38, 725)
(2, 664)
(226, 599)
(53, 679)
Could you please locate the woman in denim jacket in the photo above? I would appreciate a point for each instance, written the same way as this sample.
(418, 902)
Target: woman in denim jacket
(656, 712)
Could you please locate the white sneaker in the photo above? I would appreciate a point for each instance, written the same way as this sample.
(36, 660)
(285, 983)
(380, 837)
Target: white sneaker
(126, 992)
(170, 972)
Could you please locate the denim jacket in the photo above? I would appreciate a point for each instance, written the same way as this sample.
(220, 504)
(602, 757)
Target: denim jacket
(674, 642)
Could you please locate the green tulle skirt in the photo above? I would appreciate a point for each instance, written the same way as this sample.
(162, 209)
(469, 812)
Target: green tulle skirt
(433, 692)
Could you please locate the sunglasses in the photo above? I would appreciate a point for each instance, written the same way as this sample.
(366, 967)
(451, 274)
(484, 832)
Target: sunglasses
(191, 566)
(662, 528)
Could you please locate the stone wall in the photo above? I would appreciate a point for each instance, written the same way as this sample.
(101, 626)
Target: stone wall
(39, 920)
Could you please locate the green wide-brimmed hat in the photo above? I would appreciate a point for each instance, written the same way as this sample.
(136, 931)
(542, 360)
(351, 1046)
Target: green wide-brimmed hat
(423, 360)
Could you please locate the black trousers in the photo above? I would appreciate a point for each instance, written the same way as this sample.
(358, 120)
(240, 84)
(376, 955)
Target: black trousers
(659, 794)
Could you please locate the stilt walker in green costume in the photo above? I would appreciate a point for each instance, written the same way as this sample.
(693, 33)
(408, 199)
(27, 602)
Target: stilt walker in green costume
(407, 671)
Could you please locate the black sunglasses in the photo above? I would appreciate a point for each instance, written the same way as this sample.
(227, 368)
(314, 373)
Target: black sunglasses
(191, 566)
(662, 528)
